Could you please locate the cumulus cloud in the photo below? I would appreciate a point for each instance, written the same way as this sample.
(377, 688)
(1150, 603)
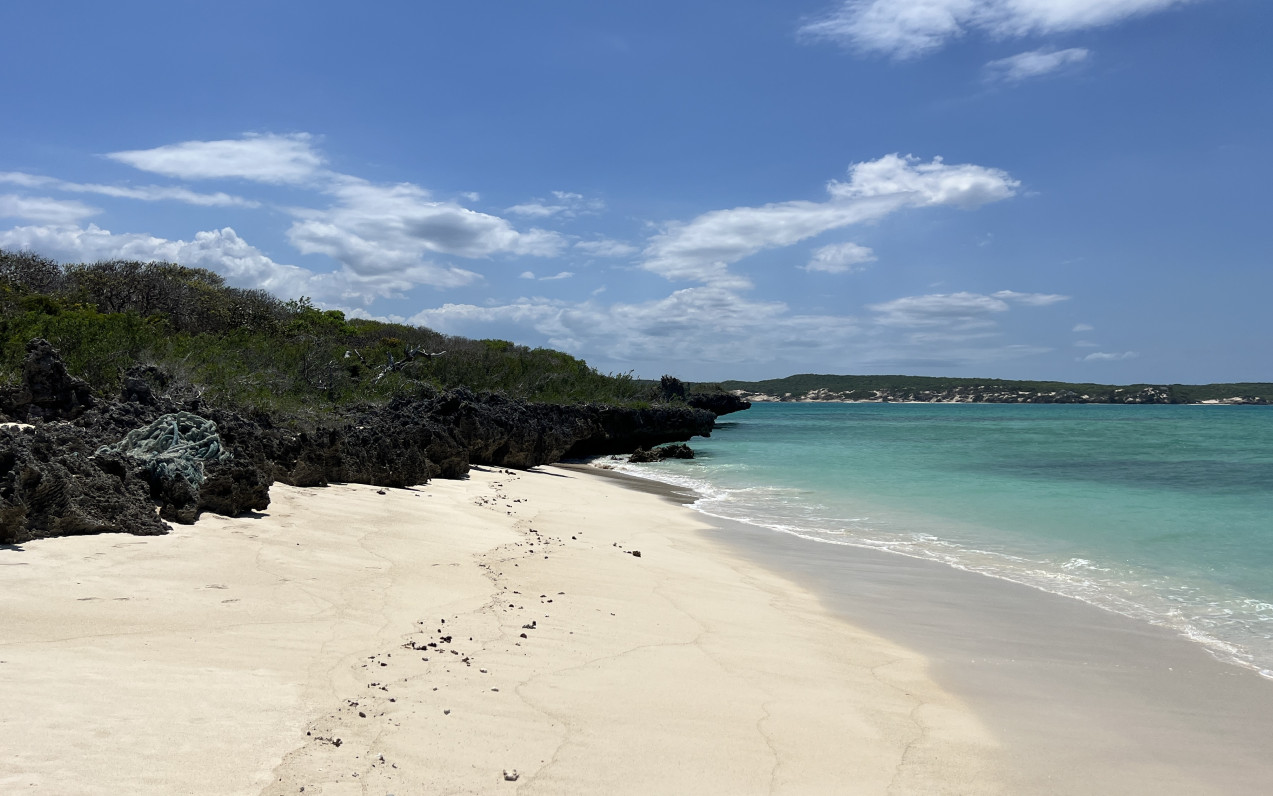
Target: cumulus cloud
(1103, 356)
(910, 28)
(955, 311)
(379, 229)
(385, 238)
(44, 209)
(839, 258)
(145, 193)
(1035, 63)
(263, 158)
(702, 249)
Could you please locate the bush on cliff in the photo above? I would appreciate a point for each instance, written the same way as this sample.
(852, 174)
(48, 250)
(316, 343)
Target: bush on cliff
(247, 349)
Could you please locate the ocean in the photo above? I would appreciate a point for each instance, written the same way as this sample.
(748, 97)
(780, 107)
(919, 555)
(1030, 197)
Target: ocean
(1161, 513)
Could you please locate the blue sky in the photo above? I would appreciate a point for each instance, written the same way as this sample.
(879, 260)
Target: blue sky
(1069, 189)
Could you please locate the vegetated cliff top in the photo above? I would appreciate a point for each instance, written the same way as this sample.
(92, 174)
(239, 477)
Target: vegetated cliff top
(247, 349)
(812, 386)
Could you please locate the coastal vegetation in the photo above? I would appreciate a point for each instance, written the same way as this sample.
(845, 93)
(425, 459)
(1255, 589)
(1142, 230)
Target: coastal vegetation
(248, 349)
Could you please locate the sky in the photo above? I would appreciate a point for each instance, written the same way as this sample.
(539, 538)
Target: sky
(1033, 189)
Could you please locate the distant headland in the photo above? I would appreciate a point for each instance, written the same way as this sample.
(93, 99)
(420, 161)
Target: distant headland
(811, 387)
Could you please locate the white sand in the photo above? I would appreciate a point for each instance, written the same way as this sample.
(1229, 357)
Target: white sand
(228, 656)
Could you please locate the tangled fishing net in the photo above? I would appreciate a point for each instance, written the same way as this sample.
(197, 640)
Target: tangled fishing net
(175, 445)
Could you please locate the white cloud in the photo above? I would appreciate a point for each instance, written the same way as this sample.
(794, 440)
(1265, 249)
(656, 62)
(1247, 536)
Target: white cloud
(701, 249)
(44, 210)
(386, 238)
(378, 229)
(955, 311)
(706, 326)
(925, 184)
(1083, 327)
(1102, 356)
(263, 158)
(534, 210)
(1035, 63)
(1030, 299)
(221, 251)
(839, 258)
(146, 193)
(605, 247)
(1086, 344)
(564, 204)
(909, 28)
(556, 276)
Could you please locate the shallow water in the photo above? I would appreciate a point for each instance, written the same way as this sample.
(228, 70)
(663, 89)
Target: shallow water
(1163, 513)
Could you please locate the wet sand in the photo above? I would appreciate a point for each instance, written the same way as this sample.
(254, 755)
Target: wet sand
(1082, 700)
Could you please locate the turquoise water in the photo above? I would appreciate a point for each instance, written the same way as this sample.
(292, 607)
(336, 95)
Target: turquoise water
(1164, 513)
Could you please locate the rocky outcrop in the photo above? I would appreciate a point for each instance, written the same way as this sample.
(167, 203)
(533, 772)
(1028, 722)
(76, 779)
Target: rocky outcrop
(663, 453)
(619, 430)
(88, 475)
(47, 391)
(52, 484)
(718, 403)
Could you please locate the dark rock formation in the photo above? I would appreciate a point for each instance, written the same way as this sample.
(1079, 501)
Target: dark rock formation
(57, 478)
(674, 451)
(47, 392)
(142, 384)
(618, 430)
(718, 403)
(52, 484)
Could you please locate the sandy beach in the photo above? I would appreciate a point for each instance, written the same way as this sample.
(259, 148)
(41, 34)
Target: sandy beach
(498, 634)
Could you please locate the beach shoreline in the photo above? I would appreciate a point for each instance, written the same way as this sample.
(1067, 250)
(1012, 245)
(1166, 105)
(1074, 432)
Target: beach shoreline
(1083, 698)
(500, 633)
(494, 634)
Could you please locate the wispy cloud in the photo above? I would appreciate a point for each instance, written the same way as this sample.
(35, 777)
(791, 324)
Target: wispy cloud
(44, 209)
(145, 193)
(911, 28)
(1103, 356)
(1034, 63)
(605, 247)
(558, 275)
(956, 311)
(1083, 327)
(263, 158)
(563, 204)
(702, 249)
(717, 325)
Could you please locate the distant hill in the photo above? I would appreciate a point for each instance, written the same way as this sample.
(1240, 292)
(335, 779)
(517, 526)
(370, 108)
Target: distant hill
(934, 389)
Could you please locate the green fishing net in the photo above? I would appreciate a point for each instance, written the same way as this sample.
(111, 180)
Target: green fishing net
(174, 445)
